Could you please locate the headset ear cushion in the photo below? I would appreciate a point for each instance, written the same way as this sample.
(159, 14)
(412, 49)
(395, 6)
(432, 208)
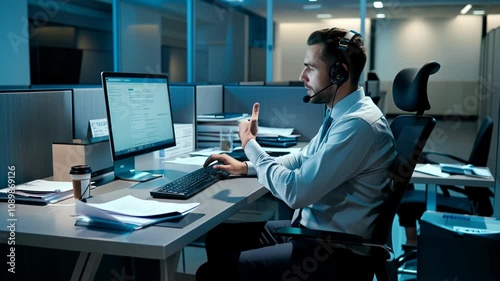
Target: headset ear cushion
(338, 73)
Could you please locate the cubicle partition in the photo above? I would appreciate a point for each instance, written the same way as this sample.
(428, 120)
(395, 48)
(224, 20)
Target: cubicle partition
(30, 121)
(183, 100)
(88, 104)
(209, 99)
(489, 102)
(280, 107)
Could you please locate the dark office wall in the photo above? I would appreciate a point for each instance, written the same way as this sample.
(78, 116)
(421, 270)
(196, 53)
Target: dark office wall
(69, 54)
(29, 123)
(53, 65)
(257, 64)
(183, 104)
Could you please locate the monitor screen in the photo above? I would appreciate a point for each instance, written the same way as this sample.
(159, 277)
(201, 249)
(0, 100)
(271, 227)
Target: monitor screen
(139, 115)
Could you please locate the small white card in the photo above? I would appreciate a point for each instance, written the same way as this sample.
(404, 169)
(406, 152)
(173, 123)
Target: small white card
(184, 143)
(99, 127)
(431, 170)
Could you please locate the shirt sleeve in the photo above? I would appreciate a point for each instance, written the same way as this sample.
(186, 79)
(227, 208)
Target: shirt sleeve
(301, 179)
(291, 161)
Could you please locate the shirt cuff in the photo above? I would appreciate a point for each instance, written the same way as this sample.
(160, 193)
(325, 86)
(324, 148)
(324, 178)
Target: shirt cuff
(251, 169)
(253, 151)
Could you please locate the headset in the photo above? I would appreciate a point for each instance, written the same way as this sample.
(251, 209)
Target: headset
(338, 74)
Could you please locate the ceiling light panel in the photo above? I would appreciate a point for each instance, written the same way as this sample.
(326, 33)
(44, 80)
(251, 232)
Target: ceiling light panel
(378, 4)
(466, 9)
(312, 7)
(324, 16)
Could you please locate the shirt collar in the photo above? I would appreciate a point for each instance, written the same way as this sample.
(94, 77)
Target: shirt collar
(344, 104)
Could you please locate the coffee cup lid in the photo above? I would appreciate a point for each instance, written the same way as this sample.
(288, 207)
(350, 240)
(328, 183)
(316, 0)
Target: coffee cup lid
(80, 170)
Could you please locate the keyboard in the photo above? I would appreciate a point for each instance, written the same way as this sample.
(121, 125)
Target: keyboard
(190, 184)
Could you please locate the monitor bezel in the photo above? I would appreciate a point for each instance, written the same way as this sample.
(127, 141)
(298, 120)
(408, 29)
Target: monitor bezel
(108, 74)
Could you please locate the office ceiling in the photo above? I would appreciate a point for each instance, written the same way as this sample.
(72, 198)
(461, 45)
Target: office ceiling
(289, 11)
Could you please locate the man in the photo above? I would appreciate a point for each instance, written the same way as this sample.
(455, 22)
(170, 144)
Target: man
(336, 183)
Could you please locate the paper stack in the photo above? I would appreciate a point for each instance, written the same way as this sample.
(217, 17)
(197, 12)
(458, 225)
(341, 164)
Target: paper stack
(211, 125)
(467, 170)
(38, 192)
(129, 213)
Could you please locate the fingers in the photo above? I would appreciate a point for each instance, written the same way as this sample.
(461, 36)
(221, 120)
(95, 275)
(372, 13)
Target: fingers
(255, 112)
(212, 158)
(223, 167)
(208, 161)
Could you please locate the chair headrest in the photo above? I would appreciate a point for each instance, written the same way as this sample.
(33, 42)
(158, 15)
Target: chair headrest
(409, 88)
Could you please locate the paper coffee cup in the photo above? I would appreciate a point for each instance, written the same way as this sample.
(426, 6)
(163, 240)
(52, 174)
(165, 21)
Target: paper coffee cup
(80, 176)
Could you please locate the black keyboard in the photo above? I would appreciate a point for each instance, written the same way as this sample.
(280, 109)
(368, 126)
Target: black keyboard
(190, 184)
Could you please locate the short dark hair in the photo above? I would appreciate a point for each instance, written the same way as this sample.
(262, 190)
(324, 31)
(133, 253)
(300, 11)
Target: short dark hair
(330, 38)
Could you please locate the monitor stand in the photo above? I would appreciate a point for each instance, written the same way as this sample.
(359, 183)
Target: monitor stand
(125, 170)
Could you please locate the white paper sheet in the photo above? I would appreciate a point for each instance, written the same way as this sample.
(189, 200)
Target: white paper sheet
(45, 186)
(132, 206)
(184, 143)
(195, 160)
(431, 170)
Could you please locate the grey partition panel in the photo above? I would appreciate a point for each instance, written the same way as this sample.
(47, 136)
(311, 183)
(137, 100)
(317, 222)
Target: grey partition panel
(281, 107)
(209, 99)
(494, 88)
(183, 104)
(491, 93)
(88, 104)
(29, 123)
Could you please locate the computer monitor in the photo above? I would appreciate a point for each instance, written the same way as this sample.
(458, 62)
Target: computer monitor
(140, 119)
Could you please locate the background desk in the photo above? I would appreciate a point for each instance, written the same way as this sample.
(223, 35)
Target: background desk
(53, 226)
(431, 183)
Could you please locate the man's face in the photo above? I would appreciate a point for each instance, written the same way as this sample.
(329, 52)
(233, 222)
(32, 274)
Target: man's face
(315, 74)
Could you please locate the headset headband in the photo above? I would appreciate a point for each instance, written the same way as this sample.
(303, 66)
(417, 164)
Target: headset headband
(344, 42)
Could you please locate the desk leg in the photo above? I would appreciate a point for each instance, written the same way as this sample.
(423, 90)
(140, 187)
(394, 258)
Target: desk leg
(86, 266)
(168, 267)
(430, 194)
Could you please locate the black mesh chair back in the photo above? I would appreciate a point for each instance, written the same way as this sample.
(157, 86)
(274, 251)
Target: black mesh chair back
(480, 197)
(411, 133)
(481, 148)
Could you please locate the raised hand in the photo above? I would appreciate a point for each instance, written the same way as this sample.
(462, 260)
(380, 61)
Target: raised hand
(248, 129)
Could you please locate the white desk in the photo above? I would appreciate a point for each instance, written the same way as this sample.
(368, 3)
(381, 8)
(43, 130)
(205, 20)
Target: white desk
(53, 226)
(431, 183)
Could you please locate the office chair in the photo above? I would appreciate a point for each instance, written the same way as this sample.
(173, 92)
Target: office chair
(477, 200)
(410, 133)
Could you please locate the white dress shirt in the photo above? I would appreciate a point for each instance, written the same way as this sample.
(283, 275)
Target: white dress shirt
(340, 181)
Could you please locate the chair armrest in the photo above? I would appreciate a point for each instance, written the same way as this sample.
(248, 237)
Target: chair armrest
(404, 258)
(425, 157)
(335, 237)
